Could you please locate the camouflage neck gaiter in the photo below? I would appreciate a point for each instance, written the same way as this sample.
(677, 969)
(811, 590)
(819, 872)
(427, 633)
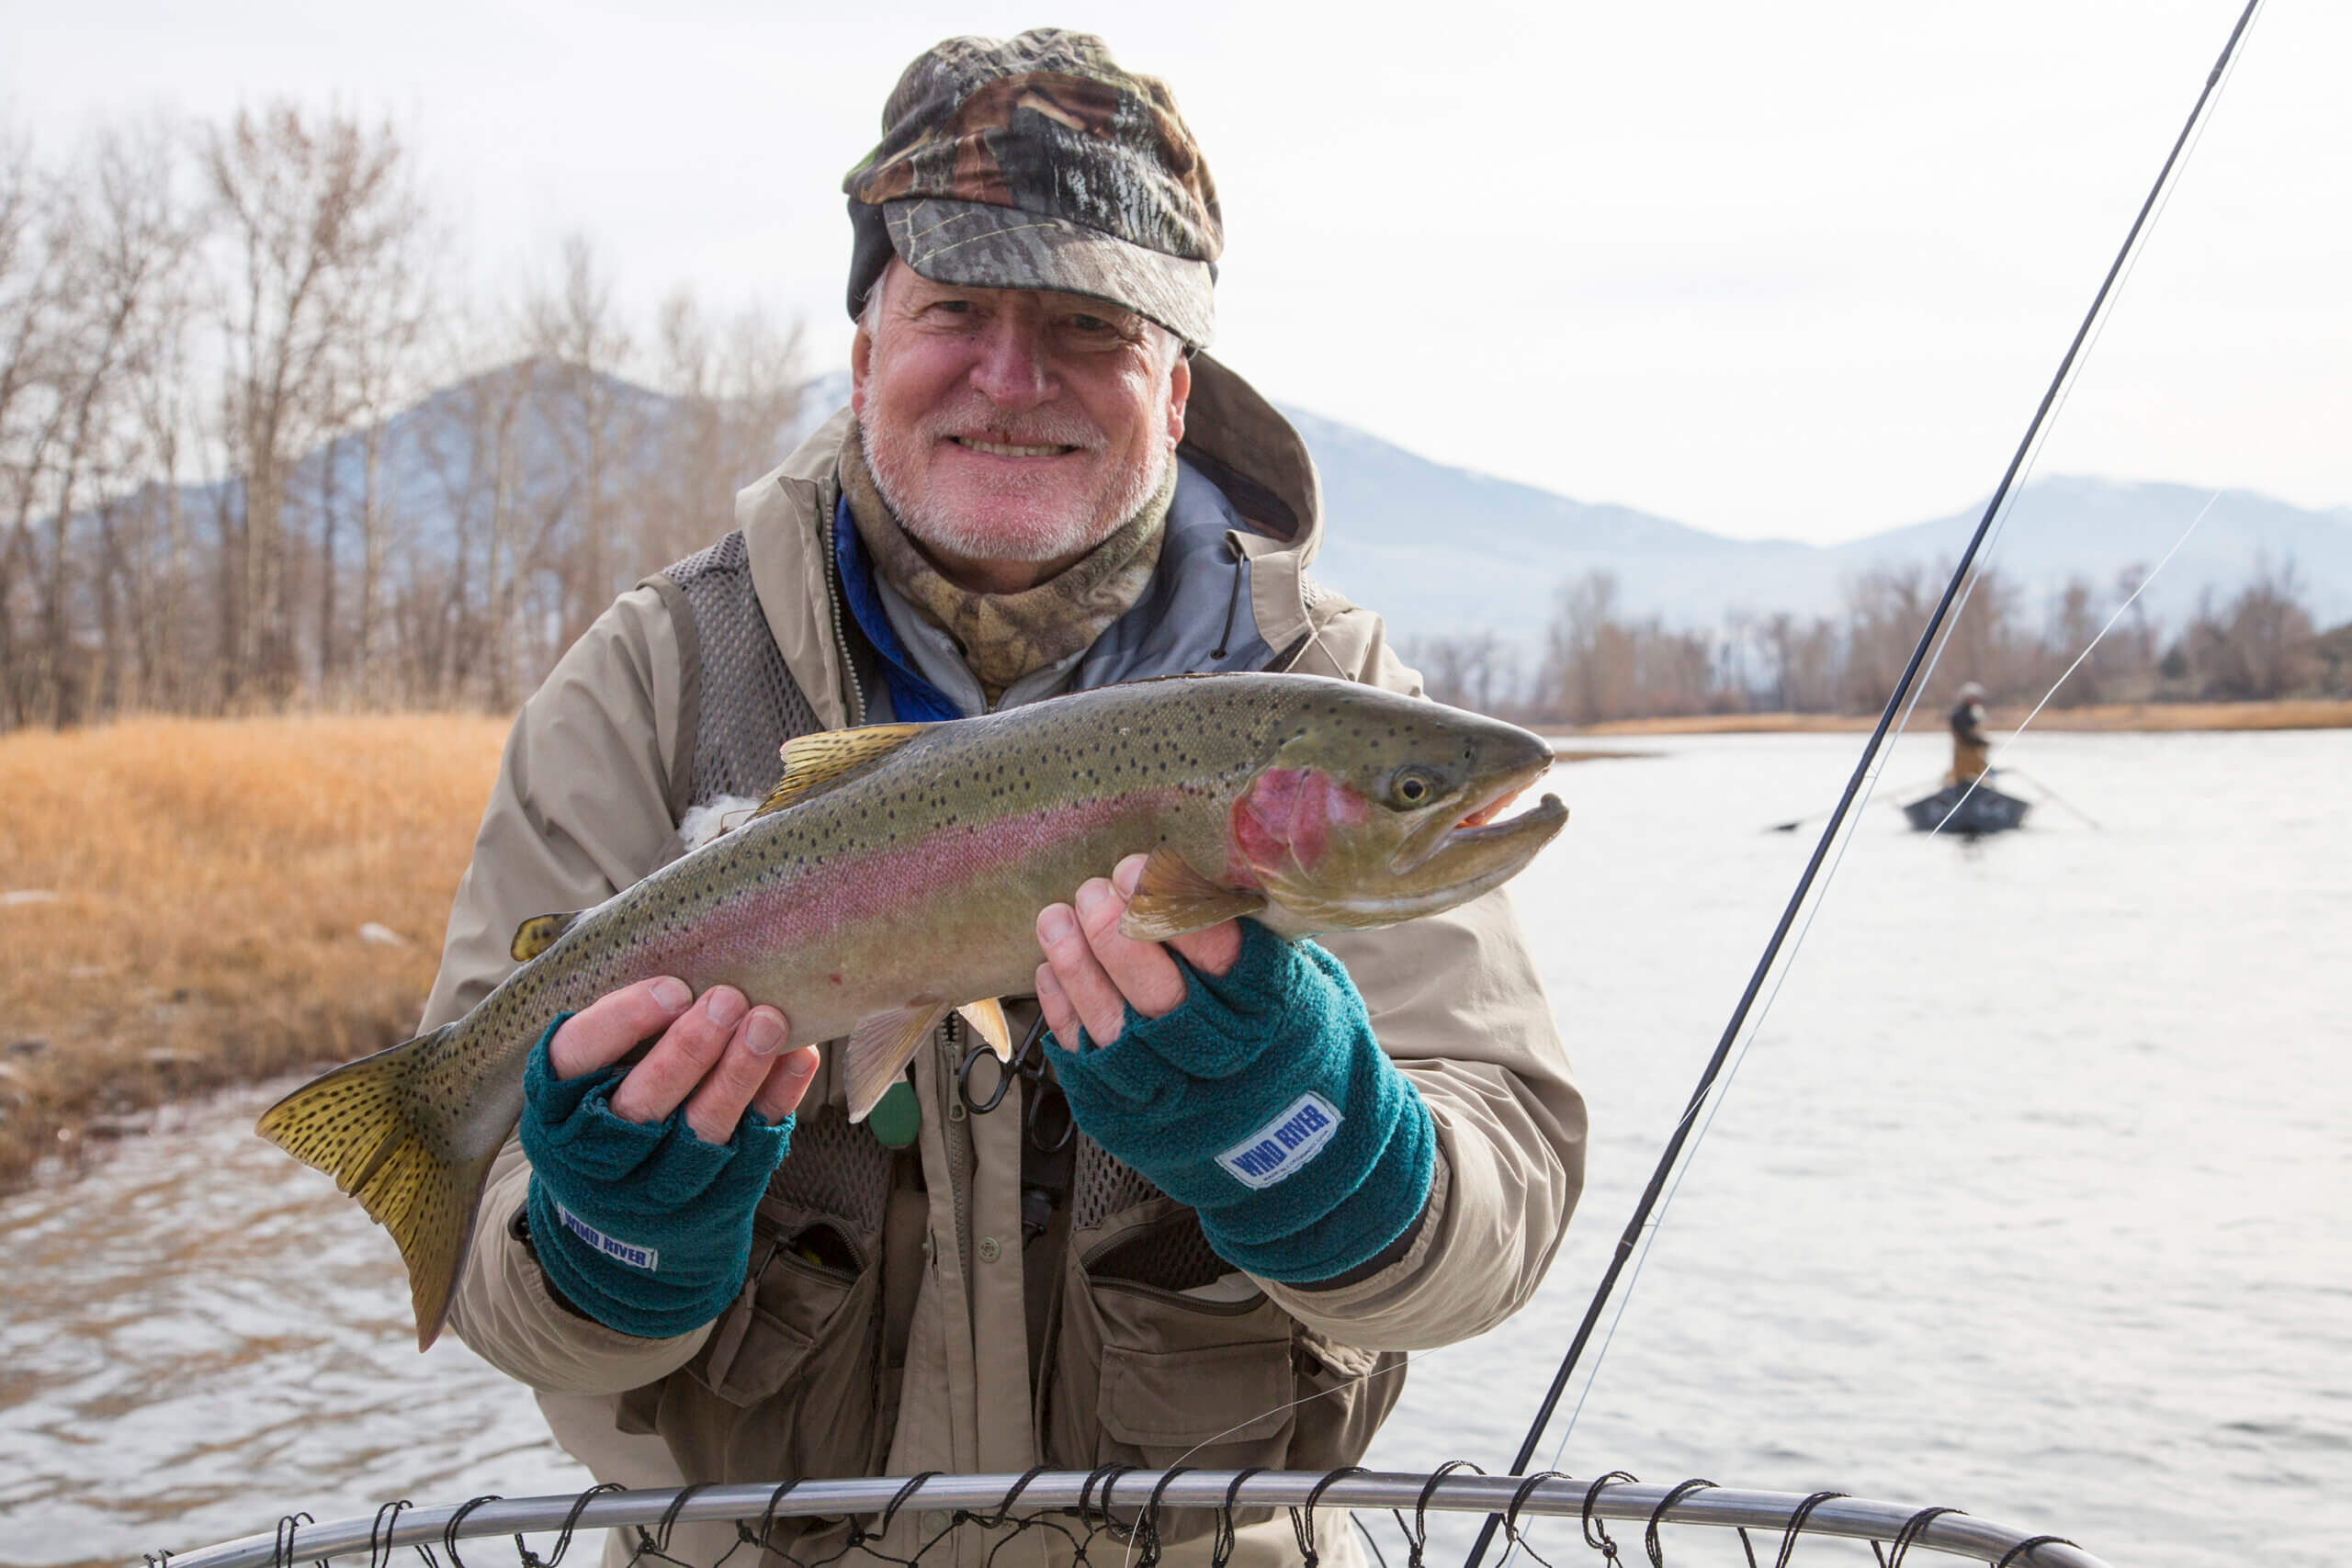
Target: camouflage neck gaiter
(1005, 635)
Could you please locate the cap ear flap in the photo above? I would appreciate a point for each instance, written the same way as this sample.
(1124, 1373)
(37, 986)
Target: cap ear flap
(869, 253)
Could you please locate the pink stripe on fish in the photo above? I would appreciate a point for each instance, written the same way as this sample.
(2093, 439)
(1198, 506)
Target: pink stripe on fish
(872, 888)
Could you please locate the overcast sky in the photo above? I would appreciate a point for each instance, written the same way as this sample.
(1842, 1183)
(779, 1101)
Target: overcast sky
(1767, 270)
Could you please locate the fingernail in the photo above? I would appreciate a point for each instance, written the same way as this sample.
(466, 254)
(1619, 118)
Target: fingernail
(1129, 873)
(672, 995)
(764, 1034)
(1092, 894)
(1054, 925)
(724, 1005)
(802, 1063)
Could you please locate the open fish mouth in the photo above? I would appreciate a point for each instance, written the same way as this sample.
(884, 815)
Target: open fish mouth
(1485, 826)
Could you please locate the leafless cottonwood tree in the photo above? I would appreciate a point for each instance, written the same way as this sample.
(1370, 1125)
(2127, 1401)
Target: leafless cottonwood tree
(313, 212)
(575, 333)
(95, 260)
(734, 387)
(1478, 671)
(1600, 663)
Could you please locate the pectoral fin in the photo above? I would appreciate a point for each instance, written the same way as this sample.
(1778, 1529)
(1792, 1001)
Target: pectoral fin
(1171, 900)
(538, 933)
(815, 762)
(880, 1049)
(986, 1019)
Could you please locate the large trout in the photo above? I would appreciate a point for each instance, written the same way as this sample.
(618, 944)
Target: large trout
(896, 873)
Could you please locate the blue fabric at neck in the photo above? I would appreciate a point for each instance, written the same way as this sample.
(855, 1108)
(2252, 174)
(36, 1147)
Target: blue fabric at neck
(913, 699)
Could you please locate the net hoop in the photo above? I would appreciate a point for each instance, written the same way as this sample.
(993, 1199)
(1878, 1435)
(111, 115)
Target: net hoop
(1129, 1490)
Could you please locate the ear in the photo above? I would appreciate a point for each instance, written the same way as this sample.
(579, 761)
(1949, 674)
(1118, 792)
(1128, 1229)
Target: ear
(861, 364)
(1180, 387)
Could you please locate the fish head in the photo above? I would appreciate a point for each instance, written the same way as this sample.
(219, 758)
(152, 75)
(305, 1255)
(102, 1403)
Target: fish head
(1376, 807)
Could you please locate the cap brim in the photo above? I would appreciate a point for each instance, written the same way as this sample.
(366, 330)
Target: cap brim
(973, 245)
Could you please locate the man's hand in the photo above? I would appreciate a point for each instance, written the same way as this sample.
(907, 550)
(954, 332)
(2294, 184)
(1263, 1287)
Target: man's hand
(716, 1056)
(1091, 972)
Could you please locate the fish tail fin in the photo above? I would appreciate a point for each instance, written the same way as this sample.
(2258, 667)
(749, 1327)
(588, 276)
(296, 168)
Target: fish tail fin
(356, 1123)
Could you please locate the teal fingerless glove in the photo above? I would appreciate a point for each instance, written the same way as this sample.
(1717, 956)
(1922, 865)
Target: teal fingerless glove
(1264, 1103)
(642, 1227)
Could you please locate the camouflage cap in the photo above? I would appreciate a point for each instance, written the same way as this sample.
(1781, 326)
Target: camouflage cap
(1037, 163)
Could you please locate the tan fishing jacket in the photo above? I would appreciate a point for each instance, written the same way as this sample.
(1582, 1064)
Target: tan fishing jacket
(894, 1321)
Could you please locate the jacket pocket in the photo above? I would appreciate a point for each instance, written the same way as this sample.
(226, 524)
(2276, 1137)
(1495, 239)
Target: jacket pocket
(1147, 1374)
(785, 1384)
(1170, 1402)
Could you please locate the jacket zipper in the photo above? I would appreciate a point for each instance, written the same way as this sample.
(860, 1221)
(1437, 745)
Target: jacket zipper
(840, 638)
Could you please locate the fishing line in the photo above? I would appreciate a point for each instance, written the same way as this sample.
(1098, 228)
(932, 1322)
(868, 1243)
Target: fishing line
(1863, 774)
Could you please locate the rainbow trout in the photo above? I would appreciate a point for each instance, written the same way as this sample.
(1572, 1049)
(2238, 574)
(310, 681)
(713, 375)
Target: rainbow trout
(896, 873)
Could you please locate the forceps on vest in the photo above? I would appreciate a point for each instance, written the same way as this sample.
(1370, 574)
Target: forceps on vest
(1029, 1062)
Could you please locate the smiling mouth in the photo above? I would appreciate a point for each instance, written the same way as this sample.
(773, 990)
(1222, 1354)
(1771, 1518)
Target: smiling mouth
(1008, 449)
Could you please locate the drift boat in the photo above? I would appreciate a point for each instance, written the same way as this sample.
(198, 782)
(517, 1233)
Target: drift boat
(1971, 813)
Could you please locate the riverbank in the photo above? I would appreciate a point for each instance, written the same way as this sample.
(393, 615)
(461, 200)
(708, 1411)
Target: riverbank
(188, 903)
(2294, 713)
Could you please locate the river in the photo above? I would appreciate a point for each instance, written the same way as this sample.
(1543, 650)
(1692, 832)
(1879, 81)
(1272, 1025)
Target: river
(2032, 1197)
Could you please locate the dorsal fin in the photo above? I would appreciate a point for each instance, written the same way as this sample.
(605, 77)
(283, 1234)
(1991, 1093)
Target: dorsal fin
(814, 763)
(537, 934)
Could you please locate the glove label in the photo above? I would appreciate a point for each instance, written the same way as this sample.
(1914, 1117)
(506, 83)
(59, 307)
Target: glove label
(636, 1257)
(1297, 1135)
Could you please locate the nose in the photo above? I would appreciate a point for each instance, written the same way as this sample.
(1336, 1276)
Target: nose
(1011, 369)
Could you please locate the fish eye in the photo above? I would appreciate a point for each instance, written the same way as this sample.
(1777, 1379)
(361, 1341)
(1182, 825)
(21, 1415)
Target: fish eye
(1413, 786)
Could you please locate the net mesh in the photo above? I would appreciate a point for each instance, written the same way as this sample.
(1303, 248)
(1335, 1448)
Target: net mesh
(1099, 1534)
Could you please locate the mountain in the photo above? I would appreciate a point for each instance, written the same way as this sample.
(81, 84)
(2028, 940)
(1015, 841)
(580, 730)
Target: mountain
(1443, 551)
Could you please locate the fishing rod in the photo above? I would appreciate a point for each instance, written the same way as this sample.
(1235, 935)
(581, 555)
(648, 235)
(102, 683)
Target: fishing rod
(1794, 823)
(1895, 703)
(2052, 796)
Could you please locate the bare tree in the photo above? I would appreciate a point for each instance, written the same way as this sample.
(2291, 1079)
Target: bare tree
(574, 328)
(1803, 662)
(32, 284)
(311, 208)
(2264, 646)
(1478, 671)
(734, 389)
(1600, 665)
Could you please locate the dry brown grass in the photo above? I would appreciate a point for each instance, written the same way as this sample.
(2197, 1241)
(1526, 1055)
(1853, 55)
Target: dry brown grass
(211, 877)
(2292, 713)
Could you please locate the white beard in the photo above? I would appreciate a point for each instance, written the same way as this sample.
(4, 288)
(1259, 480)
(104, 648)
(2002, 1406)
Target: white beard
(1071, 529)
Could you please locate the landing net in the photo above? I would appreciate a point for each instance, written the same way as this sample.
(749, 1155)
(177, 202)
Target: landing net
(1117, 1516)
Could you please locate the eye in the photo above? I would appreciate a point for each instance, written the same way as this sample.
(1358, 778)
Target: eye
(1410, 787)
(1090, 329)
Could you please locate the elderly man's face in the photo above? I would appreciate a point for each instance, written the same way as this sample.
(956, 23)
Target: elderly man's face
(1012, 430)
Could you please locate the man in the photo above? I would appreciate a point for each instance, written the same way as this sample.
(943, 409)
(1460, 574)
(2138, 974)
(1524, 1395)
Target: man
(1971, 753)
(1040, 485)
